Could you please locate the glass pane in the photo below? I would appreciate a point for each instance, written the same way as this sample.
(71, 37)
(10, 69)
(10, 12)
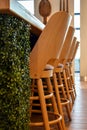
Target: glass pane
(77, 6)
(28, 4)
(77, 34)
(77, 21)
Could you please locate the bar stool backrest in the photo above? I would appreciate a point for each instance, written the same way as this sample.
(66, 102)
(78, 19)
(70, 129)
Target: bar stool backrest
(75, 50)
(49, 44)
(67, 44)
(71, 49)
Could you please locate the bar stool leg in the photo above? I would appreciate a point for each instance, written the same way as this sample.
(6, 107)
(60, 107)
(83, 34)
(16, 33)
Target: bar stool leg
(53, 100)
(43, 104)
(68, 112)
(45, 99)
(67, 89)
(70, 86)
(60, 80)
(72, 80)
(58, 100)
(64, 96)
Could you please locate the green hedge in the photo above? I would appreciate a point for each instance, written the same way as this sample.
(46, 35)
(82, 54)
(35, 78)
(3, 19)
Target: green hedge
(14, 73)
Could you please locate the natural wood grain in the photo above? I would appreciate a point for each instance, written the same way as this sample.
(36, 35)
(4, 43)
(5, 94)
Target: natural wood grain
(50, 43)
(67, 44)
(72, 48)
(4, 5)
(79, 111)
(75, 50)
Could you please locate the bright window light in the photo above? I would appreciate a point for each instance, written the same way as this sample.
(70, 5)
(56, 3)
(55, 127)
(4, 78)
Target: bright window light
(28, 4)
(77, 21)
(77, 34)
(77, 25)
(76, 6)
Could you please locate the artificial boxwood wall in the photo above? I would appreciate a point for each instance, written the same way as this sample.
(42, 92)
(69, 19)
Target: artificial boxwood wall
(14, 73)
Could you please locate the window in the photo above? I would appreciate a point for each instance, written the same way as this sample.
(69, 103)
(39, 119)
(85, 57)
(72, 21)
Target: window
(77, 18)
(77, 21)
(77, 32)
(76, 6)
(28, 4)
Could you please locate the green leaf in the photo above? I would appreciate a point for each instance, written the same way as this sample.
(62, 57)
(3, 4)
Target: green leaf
(14, 73)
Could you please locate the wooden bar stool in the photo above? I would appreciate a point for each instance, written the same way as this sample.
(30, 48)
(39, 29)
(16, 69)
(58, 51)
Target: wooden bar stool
(67, 73)
(46, 49)
(43, 97)
(63, 72)
(70, 66)
(65, 100)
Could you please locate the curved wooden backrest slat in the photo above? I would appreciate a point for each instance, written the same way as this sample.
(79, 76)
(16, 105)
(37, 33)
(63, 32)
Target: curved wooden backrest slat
(75, 50)
(49, 43)
(71, 49)
(67, 44)
(65, 49)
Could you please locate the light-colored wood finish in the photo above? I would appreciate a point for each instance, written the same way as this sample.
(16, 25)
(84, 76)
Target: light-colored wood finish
(46, 48)
(79, 111)
(64, 79)
(4, 5)
(69, 42)
(63, 95)
(71, 86)
(75, 50)
(58, 100)
(72, 48)
(67, 45)
(15, 8)
(49, 44)
(69, 67)
(62, 59)
(46, 123)
(57, 71)
(65, 49)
